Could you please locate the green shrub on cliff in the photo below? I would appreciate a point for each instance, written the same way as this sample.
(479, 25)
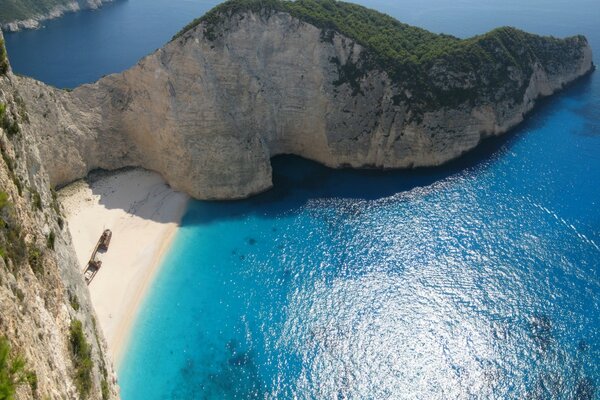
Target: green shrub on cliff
(437, 70)
(50, 240)
(35, 259)
(10, 126)
(3, 58)
(36, 200)
(3, 200)
(12, 245)
(82, 358)
(12, 371)
(11, 166)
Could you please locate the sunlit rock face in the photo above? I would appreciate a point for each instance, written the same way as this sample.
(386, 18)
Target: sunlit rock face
(208, 113)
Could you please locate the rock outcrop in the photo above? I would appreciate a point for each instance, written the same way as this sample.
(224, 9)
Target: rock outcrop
(208, 111)
(30, 15)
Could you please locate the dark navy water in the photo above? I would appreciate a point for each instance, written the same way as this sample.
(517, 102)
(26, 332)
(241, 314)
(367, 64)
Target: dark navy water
(478, 280)
(82, 47)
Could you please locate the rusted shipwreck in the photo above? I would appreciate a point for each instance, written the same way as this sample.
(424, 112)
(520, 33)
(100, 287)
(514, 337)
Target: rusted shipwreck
(94, 264)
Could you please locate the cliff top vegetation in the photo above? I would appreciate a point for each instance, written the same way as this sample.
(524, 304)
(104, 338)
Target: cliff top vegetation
(14, 10)
(415, 57)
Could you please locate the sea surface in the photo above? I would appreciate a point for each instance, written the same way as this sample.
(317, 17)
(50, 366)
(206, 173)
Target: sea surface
(82, 47)
(477, 280)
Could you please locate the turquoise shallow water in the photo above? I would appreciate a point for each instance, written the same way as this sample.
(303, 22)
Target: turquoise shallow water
(478, 280)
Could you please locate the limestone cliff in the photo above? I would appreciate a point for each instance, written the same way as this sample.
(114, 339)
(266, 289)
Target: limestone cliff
(29, 14)
(211, 108)
(45, 312)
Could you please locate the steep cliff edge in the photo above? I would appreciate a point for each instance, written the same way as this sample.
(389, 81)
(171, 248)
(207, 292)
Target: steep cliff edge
(28, 14)
(46, 318)
(329, 81)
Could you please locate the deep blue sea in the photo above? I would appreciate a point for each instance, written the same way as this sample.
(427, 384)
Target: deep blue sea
(477, 280)
(84, 46)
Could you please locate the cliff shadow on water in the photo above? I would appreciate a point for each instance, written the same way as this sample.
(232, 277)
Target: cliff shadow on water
(296, 180)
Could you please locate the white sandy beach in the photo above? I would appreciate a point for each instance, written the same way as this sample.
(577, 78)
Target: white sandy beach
(143, 213)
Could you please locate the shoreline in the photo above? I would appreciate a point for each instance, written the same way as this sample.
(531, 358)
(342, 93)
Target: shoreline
(35, 21)
(125, 330)
(144, 214)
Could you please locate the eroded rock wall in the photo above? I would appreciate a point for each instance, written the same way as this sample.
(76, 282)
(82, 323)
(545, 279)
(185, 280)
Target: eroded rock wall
(209, 113)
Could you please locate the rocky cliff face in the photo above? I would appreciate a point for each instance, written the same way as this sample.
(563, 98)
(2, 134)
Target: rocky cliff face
(42, 294)
(209, 113)
(37, 13)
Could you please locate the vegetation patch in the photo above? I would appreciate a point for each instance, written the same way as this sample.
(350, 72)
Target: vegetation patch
(82, 358)
(13, 372)
(350, 73)
(3, 58)
(21, 107)
(12, 245)
(35, 258)
(105, 389)
(36, 200)
(74, 301)
(18, 293)
(10, 125)
(11, 166)
(55, 204)
(56, 207)
(3, 200)
(50, 239)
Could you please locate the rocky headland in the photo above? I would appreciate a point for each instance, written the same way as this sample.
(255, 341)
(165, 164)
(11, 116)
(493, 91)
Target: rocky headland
(251, 80)
(29, 14)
